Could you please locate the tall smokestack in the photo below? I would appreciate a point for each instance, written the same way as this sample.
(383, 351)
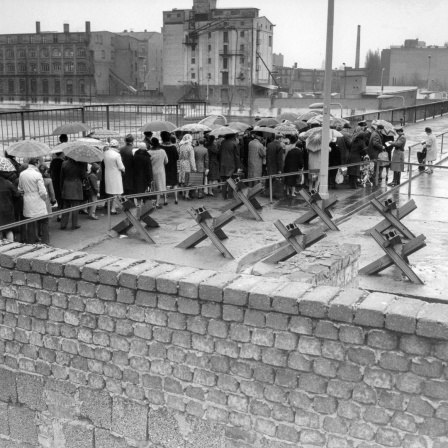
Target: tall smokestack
(87, 27)
(66, 28)
(37, 27)
(358, 46)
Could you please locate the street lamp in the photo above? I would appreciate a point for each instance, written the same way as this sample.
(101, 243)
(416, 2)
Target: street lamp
(345, 77)
(429, 70)
(321, 105)
(382, 80)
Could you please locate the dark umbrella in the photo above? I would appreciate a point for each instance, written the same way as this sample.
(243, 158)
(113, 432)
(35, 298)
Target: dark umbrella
(71, 128)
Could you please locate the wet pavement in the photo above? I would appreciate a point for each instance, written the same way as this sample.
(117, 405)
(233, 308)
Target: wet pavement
(248, 237)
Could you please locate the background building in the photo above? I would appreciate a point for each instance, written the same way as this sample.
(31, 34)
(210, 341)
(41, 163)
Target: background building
(415, 64)
(220, 55)
(73, 67)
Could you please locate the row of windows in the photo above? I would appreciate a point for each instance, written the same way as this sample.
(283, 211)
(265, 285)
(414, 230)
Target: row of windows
(81, 67)
(44, 52)
(46, 38)
(59, 87)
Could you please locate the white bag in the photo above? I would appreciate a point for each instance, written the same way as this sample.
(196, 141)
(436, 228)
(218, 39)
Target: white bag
(339, 177)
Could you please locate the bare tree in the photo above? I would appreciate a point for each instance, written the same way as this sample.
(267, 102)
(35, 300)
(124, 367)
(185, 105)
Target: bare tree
(373, 68)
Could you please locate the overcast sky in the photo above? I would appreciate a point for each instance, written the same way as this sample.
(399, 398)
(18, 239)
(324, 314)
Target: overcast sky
(300, 32)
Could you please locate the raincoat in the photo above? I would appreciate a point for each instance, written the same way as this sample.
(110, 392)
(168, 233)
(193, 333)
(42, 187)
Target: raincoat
(32, 184)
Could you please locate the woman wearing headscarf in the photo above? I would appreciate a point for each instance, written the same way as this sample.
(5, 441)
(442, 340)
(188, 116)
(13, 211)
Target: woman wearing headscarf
(293, 163)
(158, 161)
(357, 152)
(187, 163)
(113, 169)
(173, 156)
(143, 169)
(213, 162)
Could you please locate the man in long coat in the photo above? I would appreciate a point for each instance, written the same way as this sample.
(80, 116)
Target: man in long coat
(256, 155)
(127, 157)
(274, 163)
(229, 162)
(375, 145)
(113, 169)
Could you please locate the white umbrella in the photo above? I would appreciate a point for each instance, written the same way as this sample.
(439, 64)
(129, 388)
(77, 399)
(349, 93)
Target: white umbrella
(81, 151)
(73, 127)
(194, 128)
(223, 130)
(28, 148)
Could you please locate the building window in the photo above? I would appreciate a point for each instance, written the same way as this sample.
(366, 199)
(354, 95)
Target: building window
(1, 87)
(9, 39)
(241, 60)
(33, 85)
(45, 53)
(22, 86)
(1, 68)
(242, 23)
(44, 67)
(209, 60)
(21, 53)
(112, 55)
(56, 52)
(209, 48)
(32, 53)
(225, 78)
(21, 66)
(270, 41)
(209, 35)
(10, 68)
(81, 53)
(57, 100)
(225, 63)
(193, 76)
(81, 67)
(33, 67)
(68, 52)
(225, 49)
(103, 54)
(82, 87)
(57, 66)
(68, 67)
(10, 86)
(10, 52)
(69, 87)
(226, 37)
(242, 47)
(57, 86)
(242, 33)
(193, 60)
(45, 86)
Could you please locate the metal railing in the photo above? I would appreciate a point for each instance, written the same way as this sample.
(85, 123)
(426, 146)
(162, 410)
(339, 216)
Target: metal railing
(123, 118)
(411, 147)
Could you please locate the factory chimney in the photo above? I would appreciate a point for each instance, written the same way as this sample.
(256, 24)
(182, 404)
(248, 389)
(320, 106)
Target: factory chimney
(37, 27)
(358, 46)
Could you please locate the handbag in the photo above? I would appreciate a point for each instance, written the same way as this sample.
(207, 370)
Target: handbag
(339, 177)
(194, 179)
(383, 157)
(86, 185)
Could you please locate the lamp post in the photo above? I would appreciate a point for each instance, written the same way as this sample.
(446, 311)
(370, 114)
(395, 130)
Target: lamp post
(321, 105)
(345, 77)
(429, 70)
(382, 80)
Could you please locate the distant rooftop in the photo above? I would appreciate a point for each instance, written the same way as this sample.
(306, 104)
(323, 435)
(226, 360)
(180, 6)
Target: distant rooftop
(388, 90)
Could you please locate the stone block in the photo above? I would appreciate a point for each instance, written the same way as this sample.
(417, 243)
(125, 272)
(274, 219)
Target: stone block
(436, 389)
(104, 439)
(414, 345)
(342, 307)
(77, 435)
(326, 330)
(409, 383)
(274, 357)
(129, 419)
(237, 292)
(147, 280)
(394, 361)
(96, 406)
(315, 303)
(72, 265)
(129, 277)
(4, 426)
(212, 288)
(265, 294)
(8, 390)
(168, 282)
(10, 253)
(430, 368)
(110, 274)
(381, 339)
(312, 383)
(371, 311)
(432, 321)
(301, 325)
(189, 285)
(378, 378)
(30, 390)
(402, 315)
(24, 262)
(22, 424)
(91, 271)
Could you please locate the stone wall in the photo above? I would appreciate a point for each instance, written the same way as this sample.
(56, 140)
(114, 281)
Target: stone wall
(98, 351)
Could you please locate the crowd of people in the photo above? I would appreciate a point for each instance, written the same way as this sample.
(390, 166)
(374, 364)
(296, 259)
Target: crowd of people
(175, 160)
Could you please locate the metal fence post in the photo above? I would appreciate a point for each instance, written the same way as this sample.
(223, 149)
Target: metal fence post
(22, 119)
(109, 217)
(270, 190)
(377, 173)
(409, 157)
(441, 146)
(410, 180)
(177, 115)
(107, 117)
(83, 115)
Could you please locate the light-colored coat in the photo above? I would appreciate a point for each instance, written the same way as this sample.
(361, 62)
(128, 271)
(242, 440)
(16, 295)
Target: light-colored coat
(398, 154)
(112, 174)
(32, 184)
(256, 154)
(158, 161)
(431, 148)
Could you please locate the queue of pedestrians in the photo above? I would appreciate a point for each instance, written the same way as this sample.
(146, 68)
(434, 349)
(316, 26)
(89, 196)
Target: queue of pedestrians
(173, 160)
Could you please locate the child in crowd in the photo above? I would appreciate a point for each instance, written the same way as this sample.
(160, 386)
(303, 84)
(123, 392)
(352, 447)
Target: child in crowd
(94, 189)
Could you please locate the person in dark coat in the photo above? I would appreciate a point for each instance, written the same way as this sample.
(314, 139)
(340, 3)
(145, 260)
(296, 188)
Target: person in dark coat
(344, 143)
(8, 196)
(147, 139)
(143, 170)
(171, 167)
(55, 174)
(72, 176)
(357, 152)
(127, 157)
(213, 162)
(397, 165)
(375, 144)
(293, 163)
(334, 159)
(274, 162)
(229, 162)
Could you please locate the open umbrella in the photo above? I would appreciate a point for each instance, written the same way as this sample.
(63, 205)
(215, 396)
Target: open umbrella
(289, 116)
(28, 148)
(334, 121)
(300, 125)
(81, 151)
(314, 138)
(158, 126)
(106, 133)
(223, 130)
(6, 165)
(71, 128)
(214, 121)
(194, 128)
(268, 122)
(286, 129)
(388, 127)
(239, 126)
(265, 129)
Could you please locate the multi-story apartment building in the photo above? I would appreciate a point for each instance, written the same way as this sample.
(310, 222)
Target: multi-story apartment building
(222, 55)
(70, 67)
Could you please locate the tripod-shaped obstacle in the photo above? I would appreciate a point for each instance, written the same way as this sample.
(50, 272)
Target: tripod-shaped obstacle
(297, 240)
(245, 196)
(213, 231)
(317, 211)
(391, 242)
(134, 221)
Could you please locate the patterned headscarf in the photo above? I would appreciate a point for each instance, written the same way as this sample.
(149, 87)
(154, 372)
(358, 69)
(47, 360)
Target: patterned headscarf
(113, 144)
(187, 138)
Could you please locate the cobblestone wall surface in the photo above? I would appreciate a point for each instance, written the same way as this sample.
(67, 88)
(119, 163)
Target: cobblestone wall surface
(102, 352)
